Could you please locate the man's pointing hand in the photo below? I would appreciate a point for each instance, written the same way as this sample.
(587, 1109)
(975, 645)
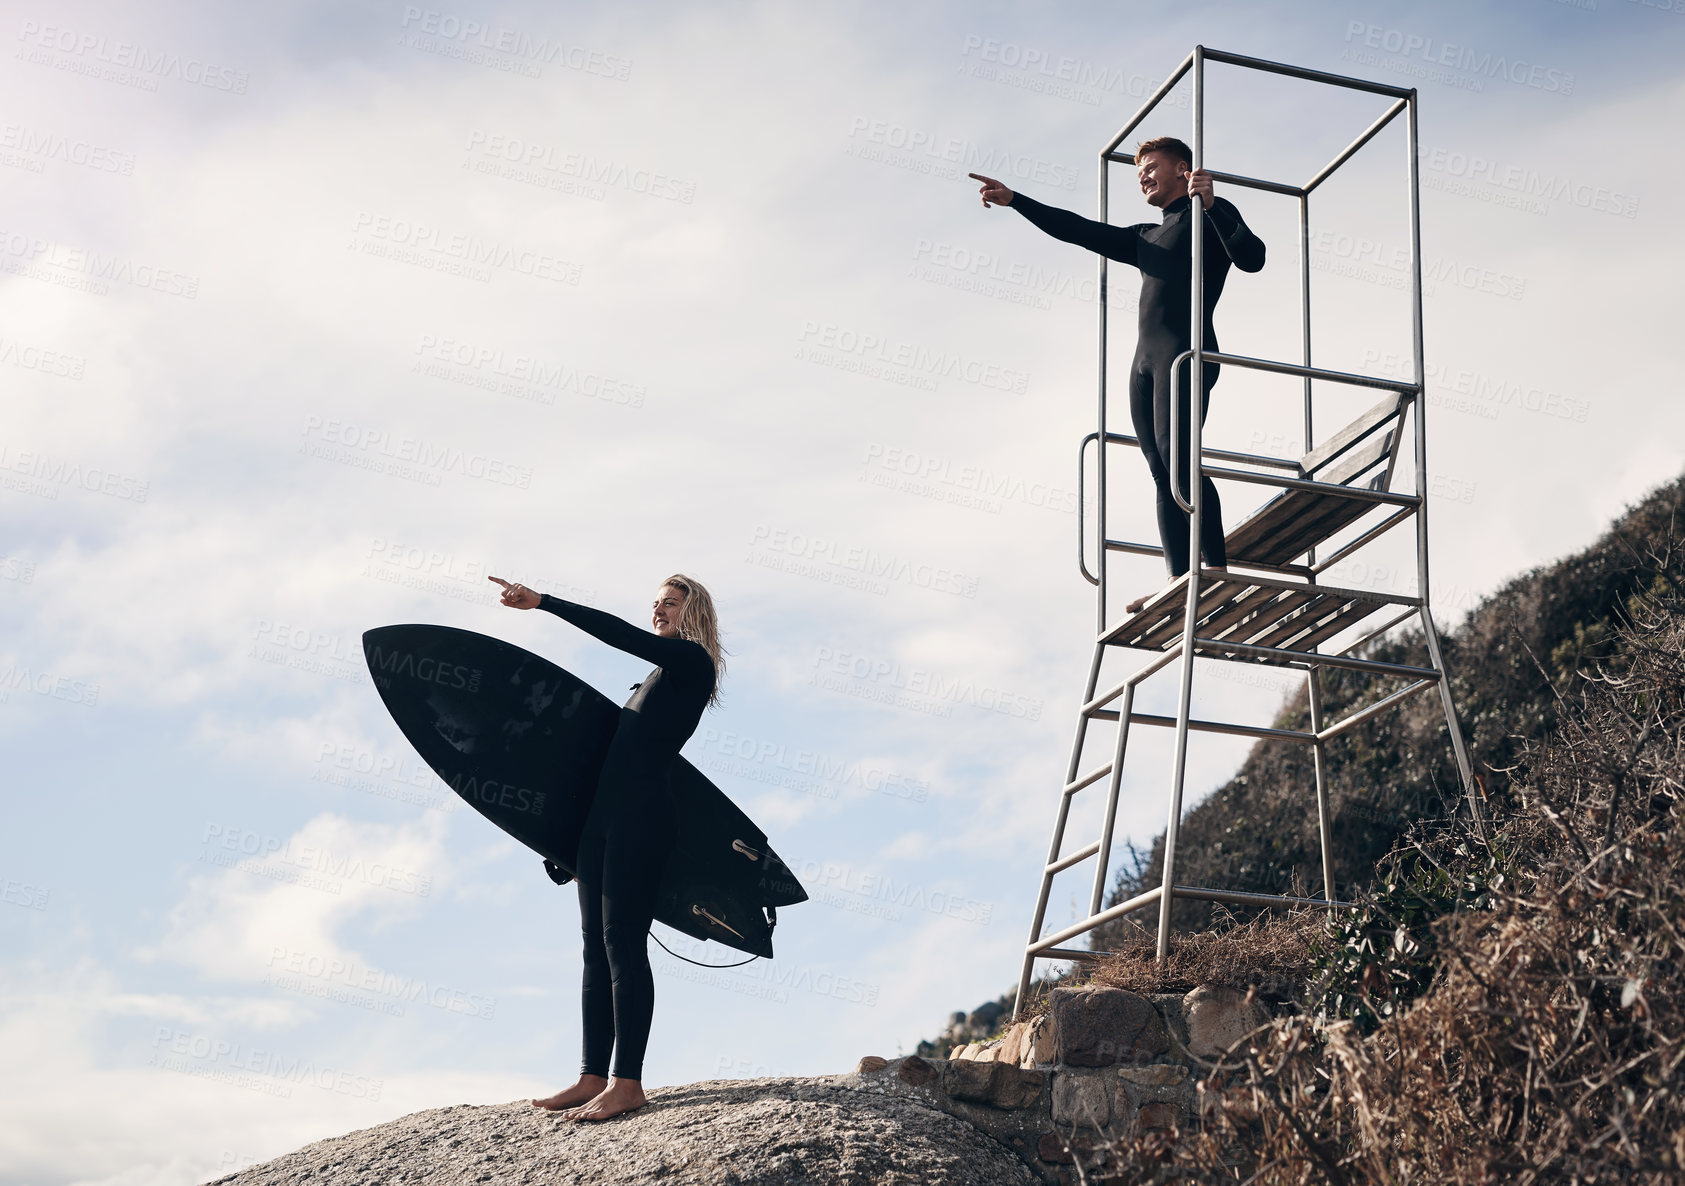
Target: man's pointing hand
(994, 193)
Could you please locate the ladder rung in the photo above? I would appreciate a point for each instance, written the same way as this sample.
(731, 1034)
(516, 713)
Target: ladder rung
(1147, 718)
(1200, 893)
(1104, 699)
(1381, 705)
(1377, 632)
(1206, 576)
(1089, 779)
(1311, 658)
(1076, 858)
(1138, 902)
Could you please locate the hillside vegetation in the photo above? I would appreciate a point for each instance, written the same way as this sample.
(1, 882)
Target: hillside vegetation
(1506, 1003)
(1513, 662)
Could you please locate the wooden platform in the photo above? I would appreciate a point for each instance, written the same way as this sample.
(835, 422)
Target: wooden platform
(1256, 611)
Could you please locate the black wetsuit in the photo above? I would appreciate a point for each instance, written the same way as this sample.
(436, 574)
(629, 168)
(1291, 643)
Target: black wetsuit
(1162, 253)
(628, 835)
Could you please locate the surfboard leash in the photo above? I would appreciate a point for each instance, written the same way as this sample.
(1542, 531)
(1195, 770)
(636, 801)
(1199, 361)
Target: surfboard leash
(772, 923)
(698, 963)
(562, 877)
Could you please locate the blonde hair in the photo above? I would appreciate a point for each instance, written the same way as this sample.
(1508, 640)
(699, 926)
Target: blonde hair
(698, 622)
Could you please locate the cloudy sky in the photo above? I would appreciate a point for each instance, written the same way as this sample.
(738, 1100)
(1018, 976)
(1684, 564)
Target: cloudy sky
(313, 316)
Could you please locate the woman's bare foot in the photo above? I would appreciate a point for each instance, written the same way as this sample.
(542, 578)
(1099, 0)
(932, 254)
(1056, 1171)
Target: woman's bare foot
(582, 1092)
(621, 1096)
(1134, 607)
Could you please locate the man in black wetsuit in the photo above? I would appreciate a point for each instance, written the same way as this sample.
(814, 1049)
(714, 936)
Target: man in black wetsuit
(628, 831)
(1162, 252)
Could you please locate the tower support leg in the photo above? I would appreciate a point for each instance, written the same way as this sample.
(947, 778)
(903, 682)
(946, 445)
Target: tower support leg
(1458, 747)
(1324, 828)
(1071, 771)
(1179, 776)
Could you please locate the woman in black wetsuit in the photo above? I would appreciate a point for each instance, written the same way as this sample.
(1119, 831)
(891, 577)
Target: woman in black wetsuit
(629, 831)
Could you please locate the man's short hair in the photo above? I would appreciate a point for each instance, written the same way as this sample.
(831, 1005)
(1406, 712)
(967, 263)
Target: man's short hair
(1171, 147)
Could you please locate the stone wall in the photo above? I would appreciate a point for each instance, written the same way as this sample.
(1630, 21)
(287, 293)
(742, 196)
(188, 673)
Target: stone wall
(1101, 1063)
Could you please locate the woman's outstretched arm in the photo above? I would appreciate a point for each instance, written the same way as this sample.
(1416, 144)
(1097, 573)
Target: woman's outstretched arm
(617, 632)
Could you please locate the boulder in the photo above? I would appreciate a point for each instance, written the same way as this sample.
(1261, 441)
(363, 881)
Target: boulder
(1083, 1098)
(1126, 1103)
(756, 1132)
(1219, 1016)
(1012, 1043)
(1041, 1042)
(1164, 1074)
(970, 1080)
(993, 1083)
(1098, 1027)
(1056, 1148)
(1017, 1088)
(915, 1071)
(869, 1064)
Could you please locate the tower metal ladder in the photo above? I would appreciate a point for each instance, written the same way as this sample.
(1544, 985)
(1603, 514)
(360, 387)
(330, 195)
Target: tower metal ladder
(1268, 607)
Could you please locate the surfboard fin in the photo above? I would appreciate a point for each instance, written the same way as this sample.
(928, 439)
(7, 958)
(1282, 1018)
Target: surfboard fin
(717, 922)
(556, 873)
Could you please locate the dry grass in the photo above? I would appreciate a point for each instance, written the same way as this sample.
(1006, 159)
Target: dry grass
(1270, 952)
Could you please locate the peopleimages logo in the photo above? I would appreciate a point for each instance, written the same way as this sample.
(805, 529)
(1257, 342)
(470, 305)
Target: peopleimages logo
(251, 852)
(846, 881)
(923, 683)
(236, 1062)
(1430, 52)
(876, 348)
(52, 473)
(1518, 186)
(956, 151)
(520, 159)
(294, 969)
(1032, 68)
(808, 765)
(41, 146)
(44, 361)
(433, 30)
(332, 439)
(924, 470)
(866, 563)
(125, 56)
(408, 241)
(525, 376)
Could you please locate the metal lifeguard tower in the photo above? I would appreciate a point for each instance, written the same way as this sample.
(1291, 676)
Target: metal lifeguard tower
(1269, 607)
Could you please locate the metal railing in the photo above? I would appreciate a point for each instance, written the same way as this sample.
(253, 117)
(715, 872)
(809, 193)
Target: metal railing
(1189, 645)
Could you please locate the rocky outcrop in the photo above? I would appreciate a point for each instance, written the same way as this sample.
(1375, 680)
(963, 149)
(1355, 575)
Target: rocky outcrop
(1024, 1107)
(754, 1132)
(1114, 1062)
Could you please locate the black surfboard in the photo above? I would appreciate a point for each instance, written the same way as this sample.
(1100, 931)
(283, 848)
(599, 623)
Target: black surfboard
(522, 742)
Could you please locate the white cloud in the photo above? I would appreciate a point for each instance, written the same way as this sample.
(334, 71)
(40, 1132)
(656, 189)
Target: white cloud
(270, 895)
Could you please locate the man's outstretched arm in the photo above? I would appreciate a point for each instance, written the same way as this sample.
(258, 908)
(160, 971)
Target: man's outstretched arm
(1113, 242)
